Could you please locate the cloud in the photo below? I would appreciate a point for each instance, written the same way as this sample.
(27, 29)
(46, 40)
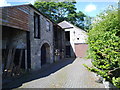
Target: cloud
(4, 3)
(25, 1)
(97, 0)
(32, 1)
(90, 8)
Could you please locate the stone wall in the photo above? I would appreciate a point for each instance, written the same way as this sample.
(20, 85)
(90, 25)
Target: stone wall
(59, 43)
(13, 38)
(36, 43)
(14, 48)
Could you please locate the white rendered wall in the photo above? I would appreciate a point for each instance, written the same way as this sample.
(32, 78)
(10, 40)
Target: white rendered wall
(74, 34)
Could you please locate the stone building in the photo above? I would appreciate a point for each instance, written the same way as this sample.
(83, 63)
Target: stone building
(46, 40)
(75, 39)
(41, 39)
(30, 39)
(59, 43)
(14, 40)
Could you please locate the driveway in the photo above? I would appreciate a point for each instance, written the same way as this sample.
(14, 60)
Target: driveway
(65, 74)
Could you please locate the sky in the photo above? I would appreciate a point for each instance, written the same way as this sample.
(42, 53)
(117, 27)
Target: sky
(93, 8)
(88, 7)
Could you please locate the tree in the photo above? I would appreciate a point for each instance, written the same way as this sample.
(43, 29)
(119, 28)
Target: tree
(60, 11)
(104, 40)
(77, 19)
(88, 22)
(104, 44)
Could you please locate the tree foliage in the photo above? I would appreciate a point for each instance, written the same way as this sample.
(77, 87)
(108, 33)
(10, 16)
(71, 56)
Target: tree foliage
(88, 22)
(59, 11)
(104, 42)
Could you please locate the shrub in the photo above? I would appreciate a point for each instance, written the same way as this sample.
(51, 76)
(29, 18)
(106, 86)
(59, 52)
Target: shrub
(104, 44)
(104, 41)
(116, 82)
(99, 72)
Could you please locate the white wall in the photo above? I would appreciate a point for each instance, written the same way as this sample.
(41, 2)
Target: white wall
(74, 34)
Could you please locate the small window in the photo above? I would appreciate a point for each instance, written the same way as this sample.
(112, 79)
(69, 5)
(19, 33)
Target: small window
(47, 25)
(36, 26)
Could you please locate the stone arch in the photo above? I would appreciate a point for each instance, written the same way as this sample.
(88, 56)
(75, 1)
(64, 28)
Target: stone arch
(45, 41)
(45, 52)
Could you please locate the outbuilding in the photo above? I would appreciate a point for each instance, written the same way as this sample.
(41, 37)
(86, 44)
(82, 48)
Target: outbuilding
(75, 40)
(30, 40)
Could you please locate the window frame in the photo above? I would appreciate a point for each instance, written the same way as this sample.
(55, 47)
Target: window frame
(36, 26)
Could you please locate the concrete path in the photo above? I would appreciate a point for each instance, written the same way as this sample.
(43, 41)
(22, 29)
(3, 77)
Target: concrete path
(72, 75)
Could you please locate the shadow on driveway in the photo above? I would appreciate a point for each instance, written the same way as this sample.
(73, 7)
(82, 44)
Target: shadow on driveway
(45, 71)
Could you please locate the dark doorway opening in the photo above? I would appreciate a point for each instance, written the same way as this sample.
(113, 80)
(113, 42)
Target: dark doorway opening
(13, 62)
(67, 35)
(45, 54)
(68, 52)
(19, 59)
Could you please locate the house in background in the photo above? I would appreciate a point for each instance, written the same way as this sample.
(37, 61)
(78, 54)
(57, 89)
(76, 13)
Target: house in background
(30, 39)
(75, 40)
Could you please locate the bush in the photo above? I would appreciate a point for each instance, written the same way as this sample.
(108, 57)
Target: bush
(104, 41)
(104, 44)
(116, 82)
(103, 74)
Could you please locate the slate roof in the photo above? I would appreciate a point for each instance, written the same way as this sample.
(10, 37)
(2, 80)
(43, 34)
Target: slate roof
(65, 25)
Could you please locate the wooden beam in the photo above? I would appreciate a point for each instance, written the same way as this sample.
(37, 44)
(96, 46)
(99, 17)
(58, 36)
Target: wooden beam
(8, 59)
(20, 59)
(11, 62)
(26, 60)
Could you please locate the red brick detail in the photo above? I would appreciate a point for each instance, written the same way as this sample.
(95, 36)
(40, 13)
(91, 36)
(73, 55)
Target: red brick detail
(80, 50)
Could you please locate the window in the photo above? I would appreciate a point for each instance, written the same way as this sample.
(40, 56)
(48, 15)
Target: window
(47, 25)
(67, 35)
(36, 26)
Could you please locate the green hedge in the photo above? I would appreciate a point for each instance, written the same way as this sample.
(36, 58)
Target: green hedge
(104, 43)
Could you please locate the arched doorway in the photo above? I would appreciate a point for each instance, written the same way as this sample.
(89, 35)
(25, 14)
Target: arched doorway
(45, 54)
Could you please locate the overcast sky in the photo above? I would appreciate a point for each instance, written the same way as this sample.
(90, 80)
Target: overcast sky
(89, 7)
